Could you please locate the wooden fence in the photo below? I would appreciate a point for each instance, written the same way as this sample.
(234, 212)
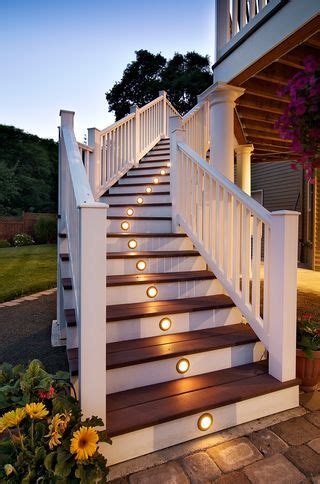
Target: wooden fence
(10, 226)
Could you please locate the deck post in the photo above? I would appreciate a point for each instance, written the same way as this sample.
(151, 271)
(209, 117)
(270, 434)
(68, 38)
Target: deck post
(177, 135)
(243, 154)
(165, 128)
(136, 138)
(94, 141)
(281, 278)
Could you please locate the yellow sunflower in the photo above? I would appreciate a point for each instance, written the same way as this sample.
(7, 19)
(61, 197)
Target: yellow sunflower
(57, 427)
(36, 411)
(84, 443)
(12, 418)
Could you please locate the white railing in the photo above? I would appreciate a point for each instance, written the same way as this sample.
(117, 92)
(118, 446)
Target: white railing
(226, 226)
(84, 222)
(237, 17)
(196, 126)
(85, 151)
(120, 146)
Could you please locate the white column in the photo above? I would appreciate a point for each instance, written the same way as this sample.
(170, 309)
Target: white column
(164, 114)
(281, 284)
(136, 138)
(177, 135)
(243, 154)
(222, 103)
(94, 141)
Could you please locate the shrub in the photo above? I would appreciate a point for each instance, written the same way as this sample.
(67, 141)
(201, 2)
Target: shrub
(45, 230)
(22, 239)
(43, 436)
(4, 244)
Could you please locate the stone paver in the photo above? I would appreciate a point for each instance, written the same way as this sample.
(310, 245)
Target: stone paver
(237, 477)
(296, 431)
(235, 454)
(315, 445)
(170, 473)
(314, 418)
(268, 443)
(274, 469)
(305, 458)
(200, 468)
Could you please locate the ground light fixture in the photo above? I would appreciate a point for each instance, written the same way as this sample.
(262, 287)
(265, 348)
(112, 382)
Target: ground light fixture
(132, 244)
(163, 172)
(130, 212)
(140, 200)
(125, 225)
(141, 265)
(183, 365)
(168, 164)
(205, 421)
(156, 181)
(152, 291)
(165, 324)
(148, 189)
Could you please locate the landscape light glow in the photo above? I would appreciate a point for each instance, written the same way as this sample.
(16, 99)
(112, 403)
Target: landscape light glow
(140, 200)
(141, 265)
(130, 212)
(152, 291)
(205, 421)
(183, 365)
(165, 324)
(156, 181)
(132, 244)
(125, 225)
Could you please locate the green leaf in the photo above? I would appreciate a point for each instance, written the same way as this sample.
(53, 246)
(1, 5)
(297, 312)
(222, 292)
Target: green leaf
(49, 461)
(63, 469)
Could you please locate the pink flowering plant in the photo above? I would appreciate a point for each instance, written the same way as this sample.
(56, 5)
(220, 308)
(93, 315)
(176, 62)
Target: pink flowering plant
(300, 121)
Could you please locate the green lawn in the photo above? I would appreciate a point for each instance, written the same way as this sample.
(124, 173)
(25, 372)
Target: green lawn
(25, 270)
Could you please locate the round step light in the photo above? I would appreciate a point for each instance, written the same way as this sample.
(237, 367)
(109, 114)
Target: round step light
(130, 212)
(132, 244)
(140, 200)
(163, 172)
(183, 365)
(152, 291)
(148, 189)
(168, 164)
(141, 265)
(205, 421)
(165, 324)
(156, 181)
(125, 225)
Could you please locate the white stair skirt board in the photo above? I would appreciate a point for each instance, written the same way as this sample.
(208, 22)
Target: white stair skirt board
(132, 199)
(130, 180)
(119, 244)
(155, 265)
(154, 171)
(140, 442)
(167, 290)
(140, 188)
(142, 210)
(180, 322)
(148, 226)
(143, 374)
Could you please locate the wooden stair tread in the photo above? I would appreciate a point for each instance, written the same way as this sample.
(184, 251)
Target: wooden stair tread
(249, 384)
(117, 185)
(157, 278)
(155, 348)
(138, 175)
(119, 312)
(152, 254)
(135, 194)
(165, 167)
(143, 234)
(122, 217)
(158, 204)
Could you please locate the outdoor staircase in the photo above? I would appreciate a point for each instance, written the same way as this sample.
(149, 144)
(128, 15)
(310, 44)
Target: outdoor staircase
(166, 313)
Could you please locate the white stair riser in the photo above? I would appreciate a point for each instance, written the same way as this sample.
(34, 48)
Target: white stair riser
(155, 265)
(118, 244)
(141, 211)
(181, 322)
(161, 436)
(135, 376)
(145, 226)
(72, 337)
(140, 188)
(154, 164)
(154, 171)
(130, 180)
(168, 290)
(126, 200)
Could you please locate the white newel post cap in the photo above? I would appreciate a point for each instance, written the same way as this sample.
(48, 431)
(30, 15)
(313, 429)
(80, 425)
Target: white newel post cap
(163, 93)
(67, 118)
(244, 149)
(221, 92)
(133, 109)
(174, 123)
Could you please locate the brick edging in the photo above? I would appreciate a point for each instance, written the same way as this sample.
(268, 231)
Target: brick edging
(30, 297)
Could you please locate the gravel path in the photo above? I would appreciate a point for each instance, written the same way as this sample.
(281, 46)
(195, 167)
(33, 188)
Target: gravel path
(25, 334)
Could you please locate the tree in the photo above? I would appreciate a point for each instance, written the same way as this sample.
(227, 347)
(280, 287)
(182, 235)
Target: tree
(183, 77)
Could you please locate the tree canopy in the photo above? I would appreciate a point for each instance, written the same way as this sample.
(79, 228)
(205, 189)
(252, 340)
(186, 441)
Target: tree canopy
(28, 172)
(183, 77)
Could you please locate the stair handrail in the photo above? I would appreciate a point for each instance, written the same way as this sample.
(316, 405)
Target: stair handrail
(227, 227)
(83, 221)
(122, 145)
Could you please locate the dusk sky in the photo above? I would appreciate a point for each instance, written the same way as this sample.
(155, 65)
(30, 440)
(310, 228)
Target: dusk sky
(65, 54)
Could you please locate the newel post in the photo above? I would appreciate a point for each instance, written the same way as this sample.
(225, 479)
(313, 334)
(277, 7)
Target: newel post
(94, 141)
(165, 128)
(282, 288)
(136, 137)
(177, 135)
